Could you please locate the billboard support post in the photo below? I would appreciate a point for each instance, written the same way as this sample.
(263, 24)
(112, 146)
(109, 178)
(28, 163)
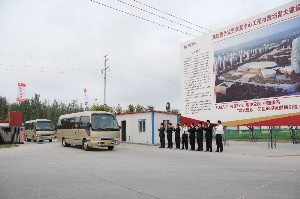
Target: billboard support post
(225, 142)
(272, 138)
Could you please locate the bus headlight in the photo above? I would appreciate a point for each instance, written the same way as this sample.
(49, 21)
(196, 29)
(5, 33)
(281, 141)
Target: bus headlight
(116, 139)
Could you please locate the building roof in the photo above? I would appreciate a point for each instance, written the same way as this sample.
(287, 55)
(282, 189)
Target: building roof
(257, 65)
(163, 112)
(37, 120)
(85, 113)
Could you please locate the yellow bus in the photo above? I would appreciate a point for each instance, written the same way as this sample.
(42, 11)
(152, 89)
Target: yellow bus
(39, 130)
(89, 129)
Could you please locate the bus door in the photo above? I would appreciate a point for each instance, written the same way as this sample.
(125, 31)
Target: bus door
(76, 131)
(84, 130)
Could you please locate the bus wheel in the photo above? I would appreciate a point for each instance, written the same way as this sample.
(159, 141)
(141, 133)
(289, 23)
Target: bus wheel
(64, 143)
(85, 145)
(34, 140)
(110, 148)
(50, 140)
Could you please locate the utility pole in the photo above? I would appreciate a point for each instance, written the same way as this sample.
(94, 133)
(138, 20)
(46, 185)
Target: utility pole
(104, 70)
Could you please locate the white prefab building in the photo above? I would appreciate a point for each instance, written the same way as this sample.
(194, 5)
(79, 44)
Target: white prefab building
(142, 127)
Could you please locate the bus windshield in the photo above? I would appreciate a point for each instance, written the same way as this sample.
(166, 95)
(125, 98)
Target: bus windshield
(104, 122)
(44, 126)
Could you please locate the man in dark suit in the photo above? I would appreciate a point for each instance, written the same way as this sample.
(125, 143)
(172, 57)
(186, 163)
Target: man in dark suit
(177, 136)
(170, 130)
(192, 131)
(208, 135)
(200, 136)
(162, 135)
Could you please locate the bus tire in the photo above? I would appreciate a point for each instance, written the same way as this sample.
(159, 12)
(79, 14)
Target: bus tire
(110, 148)
(64, 143)
(85, 145)
(34, 140)
(50, 140)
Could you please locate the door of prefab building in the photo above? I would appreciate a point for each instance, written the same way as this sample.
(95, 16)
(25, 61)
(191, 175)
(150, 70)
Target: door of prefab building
(123, 130)
(166, 122)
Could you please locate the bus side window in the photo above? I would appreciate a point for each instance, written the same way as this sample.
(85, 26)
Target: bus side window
(59, 124)
(76, 124)
(27, 126)
(63, 123)
(84, 122)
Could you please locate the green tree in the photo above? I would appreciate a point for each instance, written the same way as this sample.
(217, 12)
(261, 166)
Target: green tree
(139, 108)
(34, 108)
(118, 109)
(168, 107)
(130, 108)
(175, 111)
(3, 108)
(102, 108)
(150, 108)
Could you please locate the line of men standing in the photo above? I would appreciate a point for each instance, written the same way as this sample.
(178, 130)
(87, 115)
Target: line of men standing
(191, 133)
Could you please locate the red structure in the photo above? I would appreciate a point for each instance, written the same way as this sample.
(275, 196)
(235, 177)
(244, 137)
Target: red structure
(10, 129)
(15, 118)
(189, 121)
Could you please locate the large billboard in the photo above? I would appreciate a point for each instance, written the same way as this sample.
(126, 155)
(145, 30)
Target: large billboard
(247, 73)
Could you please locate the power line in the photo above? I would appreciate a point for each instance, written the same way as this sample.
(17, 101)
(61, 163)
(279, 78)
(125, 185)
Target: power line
(143, 74)
(73, 69)
(120, 76)
(140, 83)
(160, 16)
(142, 18)
(94, 70)
(170, 15)
(149, 83)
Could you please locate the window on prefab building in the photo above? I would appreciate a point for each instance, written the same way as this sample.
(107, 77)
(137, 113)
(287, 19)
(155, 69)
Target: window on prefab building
(142, 126)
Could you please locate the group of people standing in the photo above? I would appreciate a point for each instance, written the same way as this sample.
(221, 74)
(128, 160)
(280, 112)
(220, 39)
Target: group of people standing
(189, 133)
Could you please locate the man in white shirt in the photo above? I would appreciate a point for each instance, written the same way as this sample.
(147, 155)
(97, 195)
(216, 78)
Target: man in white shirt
(185, 132)
(219, 132)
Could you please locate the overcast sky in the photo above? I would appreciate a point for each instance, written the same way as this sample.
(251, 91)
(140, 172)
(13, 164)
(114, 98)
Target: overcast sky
(57, 47)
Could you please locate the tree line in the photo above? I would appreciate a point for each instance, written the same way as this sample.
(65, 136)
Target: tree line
(35, 108)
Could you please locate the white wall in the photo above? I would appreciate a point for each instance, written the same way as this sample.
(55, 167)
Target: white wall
(159, 118)
(132, 129)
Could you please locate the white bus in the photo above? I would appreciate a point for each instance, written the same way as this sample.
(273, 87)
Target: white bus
(39, 130)
(89, 129)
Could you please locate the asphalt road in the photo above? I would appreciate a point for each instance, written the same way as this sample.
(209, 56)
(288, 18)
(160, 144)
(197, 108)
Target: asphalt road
(243, 170)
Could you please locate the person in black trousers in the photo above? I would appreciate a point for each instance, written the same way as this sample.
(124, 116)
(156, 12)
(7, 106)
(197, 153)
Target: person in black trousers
(185, 132)
(200, 137)
(219, 133)
(208, 135)
(177, 136)
(162, 135)
(192, 131)
(170, 130)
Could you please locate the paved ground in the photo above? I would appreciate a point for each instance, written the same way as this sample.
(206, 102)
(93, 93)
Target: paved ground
(244, 170)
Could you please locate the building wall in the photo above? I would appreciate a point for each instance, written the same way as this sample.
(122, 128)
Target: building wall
(151, 132)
